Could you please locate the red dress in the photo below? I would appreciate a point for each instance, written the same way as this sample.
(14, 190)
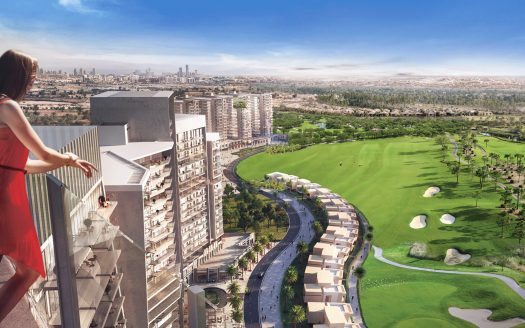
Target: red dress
(18, 238)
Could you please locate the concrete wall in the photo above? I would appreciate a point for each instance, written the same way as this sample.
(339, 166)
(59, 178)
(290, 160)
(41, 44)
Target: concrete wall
(128, 215)
(147, 117)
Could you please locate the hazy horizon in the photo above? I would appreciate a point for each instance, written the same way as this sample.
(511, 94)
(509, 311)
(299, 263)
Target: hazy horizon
(292, 39)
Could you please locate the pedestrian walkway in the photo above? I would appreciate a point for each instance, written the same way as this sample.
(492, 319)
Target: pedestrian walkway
(269, 312)
(353, 295)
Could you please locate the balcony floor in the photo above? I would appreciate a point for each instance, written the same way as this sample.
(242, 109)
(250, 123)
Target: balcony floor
(20, 316)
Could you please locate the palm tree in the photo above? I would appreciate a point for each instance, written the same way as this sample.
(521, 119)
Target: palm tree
(288, 294)
(234, 288)
(318, 228)
(482, 174)
(292, 275)
(257, 248)
(302, 249)
(232, 271)
(455, 169)
(495, 175)
(265, 241)
(369, 236)
(250, 256)
(235, 301)
(237, 315)
(518, 190)
(507, 157)
(486, 141)
(520, 170)
(506, 197)
(271, 237)
(243, 264)
(359, 272)
(298, 314)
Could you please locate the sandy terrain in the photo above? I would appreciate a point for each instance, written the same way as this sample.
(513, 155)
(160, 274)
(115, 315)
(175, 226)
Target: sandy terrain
(419, 222)
(454, 257)
(447, 219)
(479, 317)
(430, 192)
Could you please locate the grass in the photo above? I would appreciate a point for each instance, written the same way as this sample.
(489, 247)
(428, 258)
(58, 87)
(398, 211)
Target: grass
(501, 147)
(423, 299)
(386, 179)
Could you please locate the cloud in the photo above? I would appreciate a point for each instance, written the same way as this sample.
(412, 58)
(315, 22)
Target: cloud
(304, 68)
(77, 6)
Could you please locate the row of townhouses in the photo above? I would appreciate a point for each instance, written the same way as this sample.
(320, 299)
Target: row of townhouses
(141, 226)
(324, 292)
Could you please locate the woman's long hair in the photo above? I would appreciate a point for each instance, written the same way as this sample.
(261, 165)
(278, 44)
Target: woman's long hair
(17, 73)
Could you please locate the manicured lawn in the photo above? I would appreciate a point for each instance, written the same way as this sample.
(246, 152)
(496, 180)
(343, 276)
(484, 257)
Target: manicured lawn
(394, 297)
(501, 147)
(386, 179)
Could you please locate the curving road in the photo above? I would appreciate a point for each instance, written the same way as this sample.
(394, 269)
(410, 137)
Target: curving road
(378, 254)
(251, 301)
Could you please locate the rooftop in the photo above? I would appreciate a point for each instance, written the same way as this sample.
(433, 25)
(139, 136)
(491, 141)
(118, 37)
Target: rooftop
(137, 150)
(139, 94)
(119, 171)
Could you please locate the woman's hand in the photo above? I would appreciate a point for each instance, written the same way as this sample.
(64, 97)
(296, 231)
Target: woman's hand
(85, 166)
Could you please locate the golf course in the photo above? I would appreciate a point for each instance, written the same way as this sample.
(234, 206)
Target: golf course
(386, 179)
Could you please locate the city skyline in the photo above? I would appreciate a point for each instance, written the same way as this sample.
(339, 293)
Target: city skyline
(326, 39)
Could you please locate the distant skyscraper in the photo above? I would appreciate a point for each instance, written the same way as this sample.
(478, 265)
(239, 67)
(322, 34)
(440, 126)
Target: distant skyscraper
(180, 72)
(75, 72)
(93, 71)
(187, 71)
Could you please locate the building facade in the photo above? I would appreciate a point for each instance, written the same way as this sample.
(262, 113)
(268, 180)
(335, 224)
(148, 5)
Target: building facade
(96, 273)
(177, 185)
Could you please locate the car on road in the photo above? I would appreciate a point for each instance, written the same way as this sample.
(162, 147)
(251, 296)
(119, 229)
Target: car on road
(261, 275)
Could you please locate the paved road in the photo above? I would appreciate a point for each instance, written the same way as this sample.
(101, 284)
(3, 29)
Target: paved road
(378, 254)
(251, 301)
(229, 171)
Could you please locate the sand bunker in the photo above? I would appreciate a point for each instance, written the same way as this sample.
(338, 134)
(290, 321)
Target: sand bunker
(479, 317)
(454, 257)
(431, 192)
(419, 222)
(447, 219)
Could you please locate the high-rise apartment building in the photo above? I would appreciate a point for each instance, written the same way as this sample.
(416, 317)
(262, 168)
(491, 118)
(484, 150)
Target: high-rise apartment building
(96, 273)
(265, 114)
(215, 109)
(147, 121)
(215, 189)
(138, 175)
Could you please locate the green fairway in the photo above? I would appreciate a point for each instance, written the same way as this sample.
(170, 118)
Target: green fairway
(395, 297)
(501, 147)
(386, 179)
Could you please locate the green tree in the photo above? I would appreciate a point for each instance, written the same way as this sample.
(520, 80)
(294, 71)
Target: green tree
(235, 301)
(360, 272)
(318, 228)
(291, 275)
(250, 255)
(234, 288)
(232, 271)
(519, 229)
(482, 174)
(257, 248)
(298, 315)
(302, 249)
(288, 294)
(243, 264)
(237, 315)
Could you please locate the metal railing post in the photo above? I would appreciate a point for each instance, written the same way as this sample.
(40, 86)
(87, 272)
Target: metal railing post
(64, 256)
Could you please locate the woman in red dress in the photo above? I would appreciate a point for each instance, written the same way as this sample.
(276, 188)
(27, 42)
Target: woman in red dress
(18, 239)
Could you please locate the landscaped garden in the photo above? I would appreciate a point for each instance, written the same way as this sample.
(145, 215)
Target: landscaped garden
(386, 179)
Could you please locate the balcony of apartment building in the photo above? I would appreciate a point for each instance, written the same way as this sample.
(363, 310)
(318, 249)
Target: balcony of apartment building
(164, 291)
(82, 286)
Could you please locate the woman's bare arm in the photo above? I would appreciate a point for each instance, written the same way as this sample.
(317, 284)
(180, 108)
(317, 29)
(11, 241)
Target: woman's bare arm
(14, 118)
(39, 166)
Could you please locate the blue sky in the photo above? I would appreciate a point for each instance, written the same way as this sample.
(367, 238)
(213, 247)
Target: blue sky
(307, 38)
